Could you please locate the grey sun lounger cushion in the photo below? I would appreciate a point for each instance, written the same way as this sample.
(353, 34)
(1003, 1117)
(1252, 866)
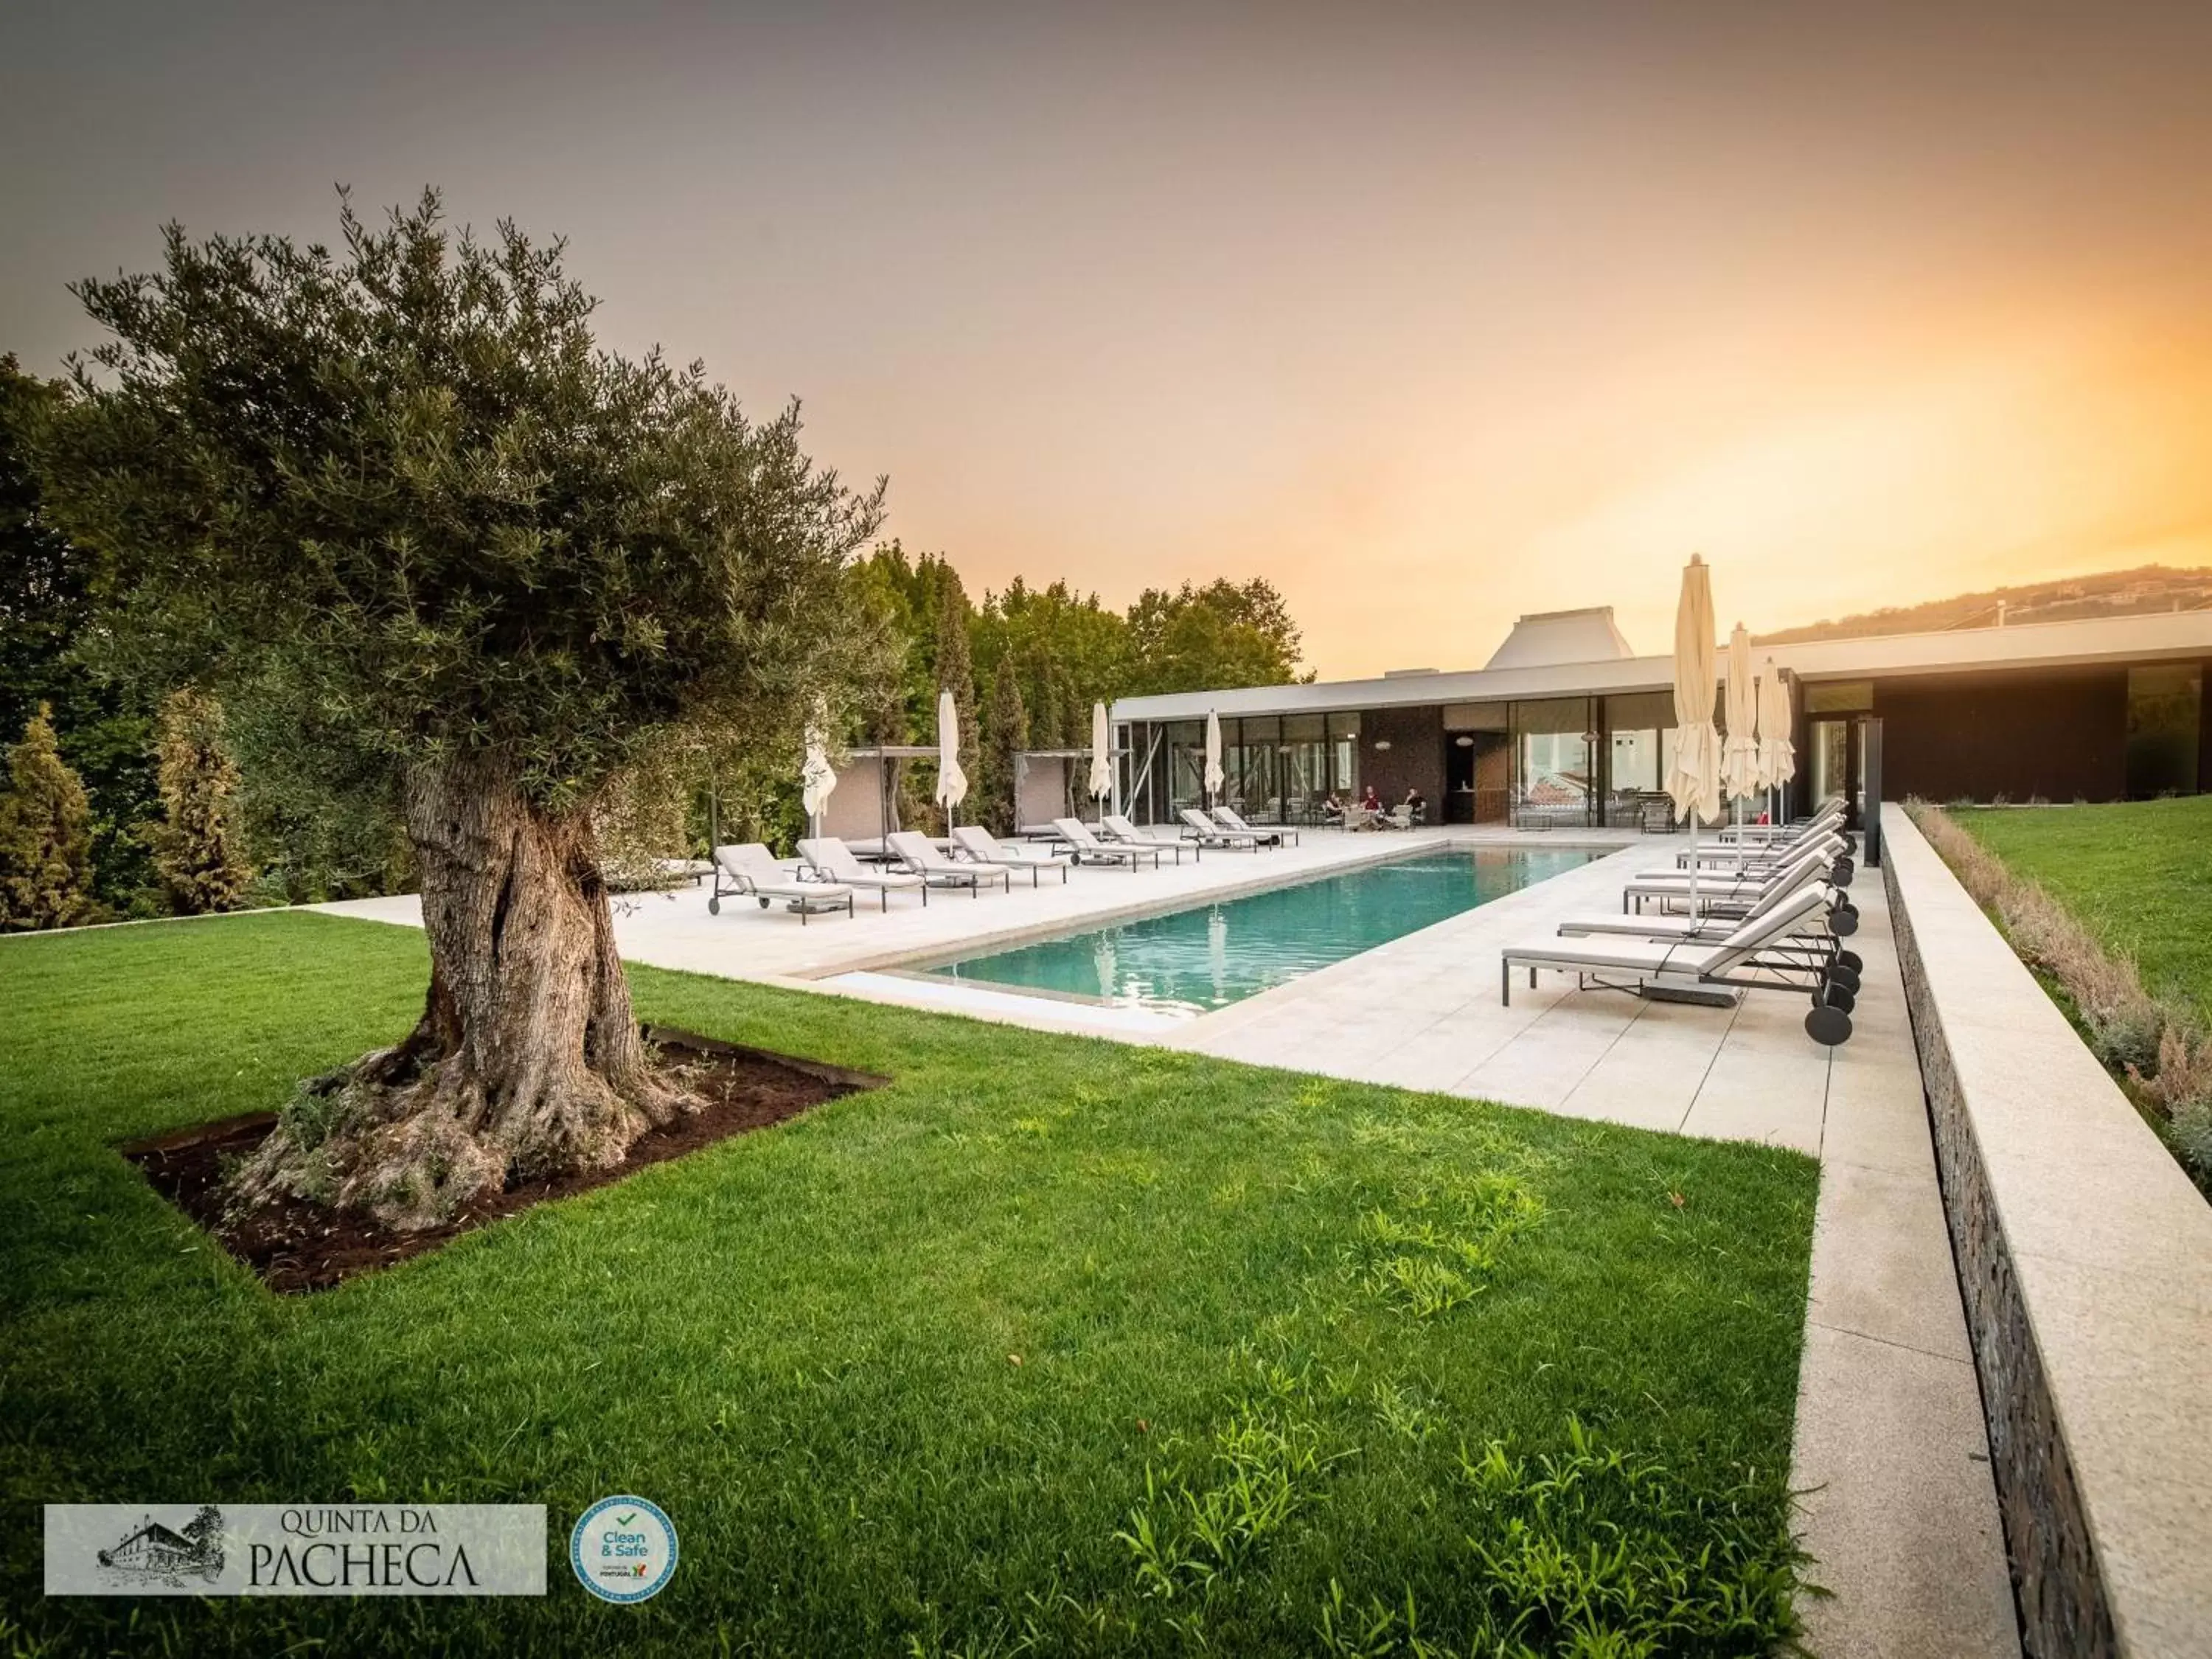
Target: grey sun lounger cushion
(1125, 834)
(979, 844)
(1229, 819)
(1723, 860)
(1665, 960)
(920, 855)
(1661, 883)
(1089, 849)
(1704, 928)
(1207, 833)
(755, 873)
(836, 860)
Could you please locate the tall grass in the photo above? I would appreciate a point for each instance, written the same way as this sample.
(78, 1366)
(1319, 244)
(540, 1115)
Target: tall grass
(2154, 1043)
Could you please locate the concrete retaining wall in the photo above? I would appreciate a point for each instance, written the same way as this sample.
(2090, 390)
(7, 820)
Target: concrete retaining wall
(2085, 1263)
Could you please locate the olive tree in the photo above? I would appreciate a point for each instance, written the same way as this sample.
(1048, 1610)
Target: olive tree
(397, 483)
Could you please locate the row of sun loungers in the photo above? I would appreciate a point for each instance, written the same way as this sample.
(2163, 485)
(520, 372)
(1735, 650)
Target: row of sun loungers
(1778, 923)
(829, 876)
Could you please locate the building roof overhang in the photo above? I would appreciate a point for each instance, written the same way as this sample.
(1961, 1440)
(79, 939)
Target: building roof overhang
(2164, 636)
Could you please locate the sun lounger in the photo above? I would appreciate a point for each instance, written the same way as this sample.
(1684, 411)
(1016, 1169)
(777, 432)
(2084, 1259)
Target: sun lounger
(1122, 833)
(1086, 849)
(1202, 830)
(753, 872)
(1230, 820)
(1829, 817)
(920, 855)
(974, 841)
(1717, 922)
(1731, 853)
(1718, 889)
(1764, 953)
(836, 862)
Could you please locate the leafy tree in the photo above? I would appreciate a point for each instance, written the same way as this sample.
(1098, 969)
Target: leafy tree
(47, 610)
(1057, 635)
(1225, 634)
(1006, 734)
(198, 846)
(1048, 725)
(46, 836)
(399, 485)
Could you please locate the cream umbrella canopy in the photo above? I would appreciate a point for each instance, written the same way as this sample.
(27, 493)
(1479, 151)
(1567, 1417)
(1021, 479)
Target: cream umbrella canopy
(1102, 755)
(951, 782)
(1778, 754)
(1693, 776)
(1213, 772)
(1740, 754)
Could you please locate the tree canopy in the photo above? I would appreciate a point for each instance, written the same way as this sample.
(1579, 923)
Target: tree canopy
(400, 484)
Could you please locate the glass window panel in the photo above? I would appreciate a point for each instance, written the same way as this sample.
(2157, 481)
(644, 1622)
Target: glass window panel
(1304, 728)
(1839, 697)
(2165, 709)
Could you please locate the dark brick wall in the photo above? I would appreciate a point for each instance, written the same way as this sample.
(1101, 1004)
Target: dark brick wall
(2060, 734)
(1415, 759)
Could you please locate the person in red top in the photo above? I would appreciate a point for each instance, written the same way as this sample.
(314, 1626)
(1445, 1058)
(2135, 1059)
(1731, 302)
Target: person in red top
(1371, 800)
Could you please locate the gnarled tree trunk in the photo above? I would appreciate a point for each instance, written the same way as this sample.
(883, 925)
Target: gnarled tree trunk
(527, 1061)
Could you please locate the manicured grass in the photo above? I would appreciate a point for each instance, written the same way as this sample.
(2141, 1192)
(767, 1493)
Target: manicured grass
(2138, 874)
(1267, 1326)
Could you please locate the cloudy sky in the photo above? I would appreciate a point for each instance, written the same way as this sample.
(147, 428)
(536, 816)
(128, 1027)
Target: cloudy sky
(1433, 315)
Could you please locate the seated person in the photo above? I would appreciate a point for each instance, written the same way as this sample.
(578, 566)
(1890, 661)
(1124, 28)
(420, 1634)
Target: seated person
(1332, 809)
(1370, 801)
(1417, 804)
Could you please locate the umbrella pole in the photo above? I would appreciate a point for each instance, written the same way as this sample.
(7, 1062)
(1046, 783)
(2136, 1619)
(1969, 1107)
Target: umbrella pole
(1694, 868)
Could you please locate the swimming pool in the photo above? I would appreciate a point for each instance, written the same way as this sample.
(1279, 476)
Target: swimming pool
(1190, 962)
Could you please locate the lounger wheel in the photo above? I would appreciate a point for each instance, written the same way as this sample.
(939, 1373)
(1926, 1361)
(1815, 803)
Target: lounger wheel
(1844, 921)
(1838, 996)
(1846, 978)
(1852, 960)
(763, 902)
(1841, 871)
(1827, 1024)
(714, 906)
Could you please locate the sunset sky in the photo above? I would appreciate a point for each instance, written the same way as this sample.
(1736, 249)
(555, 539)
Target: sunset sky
(1431, 315)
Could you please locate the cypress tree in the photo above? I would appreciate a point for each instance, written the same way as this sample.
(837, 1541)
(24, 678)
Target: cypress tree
(198, 847)
(46, 835)
(1006, 734)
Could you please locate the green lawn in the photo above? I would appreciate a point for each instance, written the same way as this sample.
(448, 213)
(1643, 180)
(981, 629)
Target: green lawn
(2138, 874)
(1267, 1328)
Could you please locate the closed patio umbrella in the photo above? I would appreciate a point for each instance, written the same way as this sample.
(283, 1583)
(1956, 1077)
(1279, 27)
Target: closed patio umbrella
(1102, 757)
(1213, 772)
(951, 782)
(1740, 755)
(816, 778)
(1693, 776)
(1778, 754)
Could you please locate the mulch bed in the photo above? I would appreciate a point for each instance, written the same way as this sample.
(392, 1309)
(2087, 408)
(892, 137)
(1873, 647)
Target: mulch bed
(298, 1246)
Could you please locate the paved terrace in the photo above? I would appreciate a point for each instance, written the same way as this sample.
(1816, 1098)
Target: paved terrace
(1892, 1449)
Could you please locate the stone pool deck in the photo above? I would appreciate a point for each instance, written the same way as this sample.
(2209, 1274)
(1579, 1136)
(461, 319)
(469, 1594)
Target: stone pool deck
(1892, 1452)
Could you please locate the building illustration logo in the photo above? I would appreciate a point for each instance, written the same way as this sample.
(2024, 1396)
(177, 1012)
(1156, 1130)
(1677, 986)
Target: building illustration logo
(152, 1553)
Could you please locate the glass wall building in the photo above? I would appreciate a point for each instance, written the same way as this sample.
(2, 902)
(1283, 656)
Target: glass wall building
(1567, 728)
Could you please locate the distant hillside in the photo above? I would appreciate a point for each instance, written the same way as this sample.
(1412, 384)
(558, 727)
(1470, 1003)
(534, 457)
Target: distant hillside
(2115, 593)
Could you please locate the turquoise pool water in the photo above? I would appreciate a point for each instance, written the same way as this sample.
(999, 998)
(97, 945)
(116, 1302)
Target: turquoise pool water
(1190, 962)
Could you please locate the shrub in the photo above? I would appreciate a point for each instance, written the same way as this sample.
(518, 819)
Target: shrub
(46, 835)
(198, 846)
